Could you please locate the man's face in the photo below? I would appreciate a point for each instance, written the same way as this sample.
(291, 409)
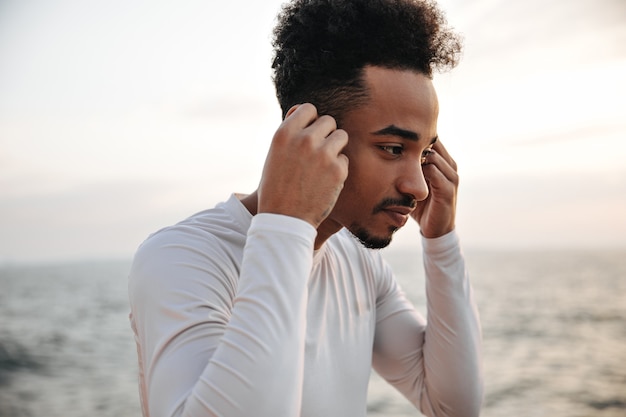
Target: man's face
(388, 138)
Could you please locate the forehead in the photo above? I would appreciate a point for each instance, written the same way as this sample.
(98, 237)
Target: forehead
(396, 90)
(400, 98)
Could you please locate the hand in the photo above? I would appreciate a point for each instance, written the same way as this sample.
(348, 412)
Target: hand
(305, 170)
(436, 214)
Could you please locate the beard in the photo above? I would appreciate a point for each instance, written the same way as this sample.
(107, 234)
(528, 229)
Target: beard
(370, 241)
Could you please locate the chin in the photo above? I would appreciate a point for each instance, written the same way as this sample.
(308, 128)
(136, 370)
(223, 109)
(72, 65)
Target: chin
(371, 241)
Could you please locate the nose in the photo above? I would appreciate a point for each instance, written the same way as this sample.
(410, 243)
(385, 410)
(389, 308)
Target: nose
(411, 181)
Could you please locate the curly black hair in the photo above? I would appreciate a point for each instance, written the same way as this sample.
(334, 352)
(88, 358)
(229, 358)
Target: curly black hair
(322, 46)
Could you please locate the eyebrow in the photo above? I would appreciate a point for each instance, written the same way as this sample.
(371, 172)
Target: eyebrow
(393, 130)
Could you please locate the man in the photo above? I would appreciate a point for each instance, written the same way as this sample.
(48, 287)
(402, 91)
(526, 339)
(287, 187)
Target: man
(274, 303)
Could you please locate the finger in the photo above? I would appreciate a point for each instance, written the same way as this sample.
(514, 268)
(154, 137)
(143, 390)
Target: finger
(440, 186)
(291, 110)
(344, 161)
(336, 141)
(436, 162)
(322, 127)
(300, 116)
(441, 150)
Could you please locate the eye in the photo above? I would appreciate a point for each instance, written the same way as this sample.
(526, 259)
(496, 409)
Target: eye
(392, 149)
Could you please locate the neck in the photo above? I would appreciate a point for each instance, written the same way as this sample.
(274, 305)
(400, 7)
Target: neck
(325, 230)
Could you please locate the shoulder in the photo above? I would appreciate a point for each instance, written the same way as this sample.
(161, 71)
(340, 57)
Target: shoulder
(220, 228)
(204, 248)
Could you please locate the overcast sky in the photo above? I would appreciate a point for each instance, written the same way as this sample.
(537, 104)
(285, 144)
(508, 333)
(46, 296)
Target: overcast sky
(120, 117)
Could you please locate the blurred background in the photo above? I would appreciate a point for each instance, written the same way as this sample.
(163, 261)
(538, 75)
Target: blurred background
(118, 118)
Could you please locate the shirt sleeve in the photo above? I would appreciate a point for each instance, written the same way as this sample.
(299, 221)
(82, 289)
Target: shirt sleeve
(205, 357)
(435, 364)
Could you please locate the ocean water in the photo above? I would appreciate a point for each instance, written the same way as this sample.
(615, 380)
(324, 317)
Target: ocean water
(554, 327)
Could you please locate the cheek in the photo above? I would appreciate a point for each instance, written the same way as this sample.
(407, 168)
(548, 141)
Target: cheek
(365, 174)
(361, 190)
(356, 181)
(360, 163)
(353, 193)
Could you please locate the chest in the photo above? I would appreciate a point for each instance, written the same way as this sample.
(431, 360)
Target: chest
(341, 320)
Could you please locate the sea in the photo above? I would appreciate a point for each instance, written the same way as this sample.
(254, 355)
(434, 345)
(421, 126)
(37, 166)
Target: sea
(554, 336)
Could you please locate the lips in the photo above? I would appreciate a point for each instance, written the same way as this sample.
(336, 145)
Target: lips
(398, 215)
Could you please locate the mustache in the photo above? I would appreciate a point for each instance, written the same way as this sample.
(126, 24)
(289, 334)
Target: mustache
(405, 201)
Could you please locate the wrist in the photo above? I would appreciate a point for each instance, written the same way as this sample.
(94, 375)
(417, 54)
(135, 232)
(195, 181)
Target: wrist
(440, 244)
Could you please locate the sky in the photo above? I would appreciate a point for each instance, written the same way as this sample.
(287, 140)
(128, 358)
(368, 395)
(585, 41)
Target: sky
(120, 117)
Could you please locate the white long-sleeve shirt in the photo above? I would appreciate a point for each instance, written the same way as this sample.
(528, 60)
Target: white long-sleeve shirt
(237, 315)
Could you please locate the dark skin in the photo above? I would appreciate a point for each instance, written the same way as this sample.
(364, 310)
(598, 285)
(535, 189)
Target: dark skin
(393, 167)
